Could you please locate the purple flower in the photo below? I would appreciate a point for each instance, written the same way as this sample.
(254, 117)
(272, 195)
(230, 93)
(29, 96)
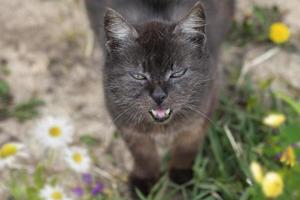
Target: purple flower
(87, 178)
(296, 145)
(78, 191)
(97, 189)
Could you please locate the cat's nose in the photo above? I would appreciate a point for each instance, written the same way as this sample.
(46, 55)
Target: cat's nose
(158, 95)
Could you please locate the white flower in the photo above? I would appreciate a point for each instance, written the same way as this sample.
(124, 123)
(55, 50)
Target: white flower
(54, 132)
(53, 193)
(10, 152)
(78, 159)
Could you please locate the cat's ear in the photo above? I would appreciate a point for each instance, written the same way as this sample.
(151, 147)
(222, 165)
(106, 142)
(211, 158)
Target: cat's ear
(192, 26)
(117, 30)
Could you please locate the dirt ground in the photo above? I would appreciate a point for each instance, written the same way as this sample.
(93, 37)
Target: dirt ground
(49, 50)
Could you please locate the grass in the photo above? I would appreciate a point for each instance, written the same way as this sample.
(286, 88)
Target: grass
(236, 138)
(23, 111)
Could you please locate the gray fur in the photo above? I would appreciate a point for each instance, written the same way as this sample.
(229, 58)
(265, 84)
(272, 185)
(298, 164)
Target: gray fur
(158, 38)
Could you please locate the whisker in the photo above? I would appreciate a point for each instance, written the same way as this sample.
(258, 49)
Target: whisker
(123, 113)
(119, 116)
(197, 110)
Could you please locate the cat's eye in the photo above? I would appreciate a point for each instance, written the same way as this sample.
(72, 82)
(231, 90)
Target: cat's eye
(138, 76)
(178, 74)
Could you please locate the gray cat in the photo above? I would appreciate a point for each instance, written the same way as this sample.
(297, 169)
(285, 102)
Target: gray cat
(160, 76)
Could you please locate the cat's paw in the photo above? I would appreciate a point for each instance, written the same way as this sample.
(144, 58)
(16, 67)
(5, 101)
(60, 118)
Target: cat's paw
(144, 185)
(180, 176)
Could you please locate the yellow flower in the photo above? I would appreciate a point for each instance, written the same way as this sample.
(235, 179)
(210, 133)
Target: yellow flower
(288, 157)
(257, 172)
(279, 33)
(272, 185)
(274, 120)
(10, 152)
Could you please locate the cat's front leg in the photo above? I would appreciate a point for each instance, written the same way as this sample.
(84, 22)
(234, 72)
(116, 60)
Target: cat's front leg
(146, 169)
(183, 153)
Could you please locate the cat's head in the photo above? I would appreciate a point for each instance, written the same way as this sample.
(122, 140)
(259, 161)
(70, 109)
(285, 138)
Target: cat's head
(156, 71)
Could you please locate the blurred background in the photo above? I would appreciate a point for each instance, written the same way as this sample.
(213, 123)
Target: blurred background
(51, 65)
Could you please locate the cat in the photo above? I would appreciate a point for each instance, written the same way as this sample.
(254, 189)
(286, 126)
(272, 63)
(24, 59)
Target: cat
(160, 76)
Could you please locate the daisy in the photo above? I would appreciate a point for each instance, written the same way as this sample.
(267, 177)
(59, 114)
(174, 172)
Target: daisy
(78, 159)
(10, 152)
(52, 132)
(53, 193)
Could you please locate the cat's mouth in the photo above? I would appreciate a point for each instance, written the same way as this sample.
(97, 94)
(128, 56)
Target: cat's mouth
(160, 114)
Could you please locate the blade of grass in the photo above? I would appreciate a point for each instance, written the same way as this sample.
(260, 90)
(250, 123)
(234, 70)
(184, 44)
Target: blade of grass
(216, 148)
(295, 105)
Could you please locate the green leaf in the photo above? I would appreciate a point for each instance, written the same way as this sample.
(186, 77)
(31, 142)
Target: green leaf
(217, 151)
(16, 190)
(290, 134)
(140, 195)
(27, 110)
(32, 193)
(4, 88)
(293, 103)
(265, 84)
(260, 14)
(89, 140)
(38, 177)
(5, 97)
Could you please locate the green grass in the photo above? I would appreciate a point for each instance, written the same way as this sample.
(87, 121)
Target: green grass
(237, 138)
(23, 111)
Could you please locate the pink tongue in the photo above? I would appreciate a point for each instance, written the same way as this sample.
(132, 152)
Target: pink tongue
(160, 113)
